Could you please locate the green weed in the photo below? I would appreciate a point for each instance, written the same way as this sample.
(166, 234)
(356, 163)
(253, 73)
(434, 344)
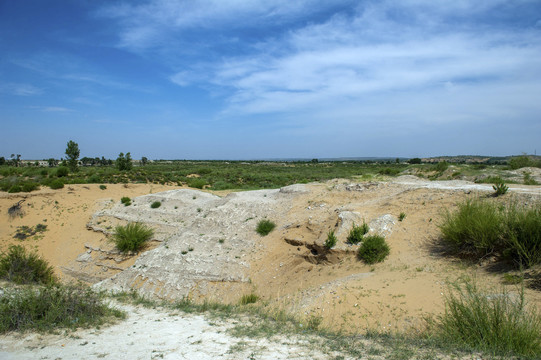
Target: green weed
(131, 237)
(331, 240)
(264, 227)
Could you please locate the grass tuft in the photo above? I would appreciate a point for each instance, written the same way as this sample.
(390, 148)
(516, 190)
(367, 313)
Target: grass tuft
(155, 204)
(494, 322)
(356, 233)
(248, 299)
(264, 227)
(131, 237)
(479, 228)
(331, 240)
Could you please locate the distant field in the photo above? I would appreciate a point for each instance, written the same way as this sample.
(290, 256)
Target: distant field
(239, 175)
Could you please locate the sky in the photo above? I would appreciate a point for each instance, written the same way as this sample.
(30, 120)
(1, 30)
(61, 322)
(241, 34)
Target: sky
(239, 79)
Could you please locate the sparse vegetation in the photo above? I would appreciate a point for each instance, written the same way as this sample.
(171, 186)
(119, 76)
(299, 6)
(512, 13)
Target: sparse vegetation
(374, 249)
(331, 240)
(264, 227)
(156, 204)
(52, 307)
(24, 232)
(402, 216)
(496, 322)
(357, 233)
(125, 200)
(21, 267)
(132, 237)
(103, 187)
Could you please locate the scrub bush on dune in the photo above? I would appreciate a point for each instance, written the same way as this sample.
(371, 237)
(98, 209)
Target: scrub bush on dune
(132, 237)
(21, 267)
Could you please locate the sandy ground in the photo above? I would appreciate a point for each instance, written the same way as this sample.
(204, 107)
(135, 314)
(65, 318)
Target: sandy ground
(285, 268)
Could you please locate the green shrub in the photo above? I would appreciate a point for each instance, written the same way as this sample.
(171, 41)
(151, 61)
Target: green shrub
(196, 183)
(521, 162)
(495, 322)
(264, 227)
(500, 188)
(62, 171)
(373, 249)
(331, 240)
(131, 237)
(356, 233)
(51, 307)
(248, 299)
(103, 187)
(441, 166)
(21, 267)
(528, 180)
(523, 235)
(389, 171)
(125, 200)
(480, 227)
(402, 216)
(56, 184)
(155, 204)
(29, 186)
(475, 229)
(15, 189)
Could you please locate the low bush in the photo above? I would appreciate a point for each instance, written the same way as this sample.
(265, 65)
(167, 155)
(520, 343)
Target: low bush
(374, 249)
(196, 183)
(30, 186)
(523, 235)
(356, 233)
(155, 204)
(56, 184)
(264, 227)
(402, 216)
(131, 237)
(15, 189)
(103, 187)
(51, 307)
(62, 171)
(475, 229)
(125, 200)
(495, 321)
(21, 267)
(480, 227)
(331, 240)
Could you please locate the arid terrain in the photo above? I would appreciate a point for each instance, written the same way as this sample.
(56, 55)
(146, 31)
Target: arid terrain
(205, 246)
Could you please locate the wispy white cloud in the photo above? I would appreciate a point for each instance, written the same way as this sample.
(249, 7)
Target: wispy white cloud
(58, 109)
(20, 89)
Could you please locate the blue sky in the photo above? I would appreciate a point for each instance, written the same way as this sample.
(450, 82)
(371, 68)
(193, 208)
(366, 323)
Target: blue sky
(234, 79)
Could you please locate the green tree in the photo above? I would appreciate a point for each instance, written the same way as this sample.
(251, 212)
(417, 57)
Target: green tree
(124, 162)
(72, 151)
(144, 160)
(2, 160)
